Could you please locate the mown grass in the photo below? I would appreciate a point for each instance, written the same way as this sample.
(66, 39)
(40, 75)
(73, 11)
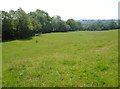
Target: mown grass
(79, 59)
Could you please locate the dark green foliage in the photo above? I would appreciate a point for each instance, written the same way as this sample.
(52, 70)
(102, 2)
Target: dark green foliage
(59, 25)
(19, 25)
(23, 29)
(73, 24)
(15, 24)
(41, 21)
(7, 26)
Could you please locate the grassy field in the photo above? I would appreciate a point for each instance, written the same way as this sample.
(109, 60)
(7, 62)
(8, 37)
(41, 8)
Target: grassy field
(79, 59)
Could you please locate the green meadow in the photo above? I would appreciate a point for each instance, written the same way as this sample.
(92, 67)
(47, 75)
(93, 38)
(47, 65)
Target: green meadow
(62, 59)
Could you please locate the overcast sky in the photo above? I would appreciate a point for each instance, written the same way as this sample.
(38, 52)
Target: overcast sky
(76, 9)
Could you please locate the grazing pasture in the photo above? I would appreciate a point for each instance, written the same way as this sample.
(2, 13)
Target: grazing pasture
(66, 59)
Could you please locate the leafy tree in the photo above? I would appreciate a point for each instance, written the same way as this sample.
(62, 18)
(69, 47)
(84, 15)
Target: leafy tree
(7, 26)
(17, 24)
(113, 24)
(36, 25)
(24, 27)
(65, 27)
(73, 24)
(44, 19)
(41, 21)
(78, 26)
(56, 22)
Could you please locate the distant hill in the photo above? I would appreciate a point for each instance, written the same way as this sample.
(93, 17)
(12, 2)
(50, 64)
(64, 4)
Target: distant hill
(93, 20)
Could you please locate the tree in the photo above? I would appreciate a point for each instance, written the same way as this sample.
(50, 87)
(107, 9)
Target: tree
(7, 26)
(42, 19)
(78, 25)
(36, 25)
(65, 27)
(17, 24)
(73, 24)
(56, 22)
(24, 27)
(113, 24)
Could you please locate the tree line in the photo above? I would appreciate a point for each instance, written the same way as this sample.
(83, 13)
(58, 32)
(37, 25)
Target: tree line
(19, 24)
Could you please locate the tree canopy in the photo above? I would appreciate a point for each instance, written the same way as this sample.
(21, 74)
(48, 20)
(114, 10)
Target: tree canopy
(19, 24)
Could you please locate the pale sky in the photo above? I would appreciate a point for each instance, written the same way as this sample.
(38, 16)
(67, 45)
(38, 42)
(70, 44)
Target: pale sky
(76, 9)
